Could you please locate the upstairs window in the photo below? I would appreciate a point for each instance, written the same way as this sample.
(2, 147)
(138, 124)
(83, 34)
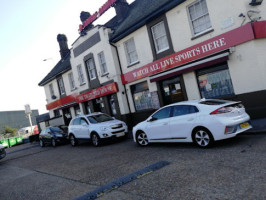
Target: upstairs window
(102, 63)
(71, 81)
(199, 17)
(91, 69)
(159, 37)
(61, 86)
(81, 75)
(131, 53)
(51, 88)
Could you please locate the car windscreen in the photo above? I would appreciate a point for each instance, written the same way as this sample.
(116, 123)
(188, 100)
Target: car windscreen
(94, 119)
(56, 129)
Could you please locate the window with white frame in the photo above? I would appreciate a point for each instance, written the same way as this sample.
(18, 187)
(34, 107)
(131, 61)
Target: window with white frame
(159, 37)
(81, 75)
(199, 17)
(91, 69)
(131, 53)
(102, 63)
(61, 86)
(71, 81)
(51, 88)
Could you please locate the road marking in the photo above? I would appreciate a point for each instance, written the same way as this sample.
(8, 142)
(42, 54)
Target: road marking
(122, 181)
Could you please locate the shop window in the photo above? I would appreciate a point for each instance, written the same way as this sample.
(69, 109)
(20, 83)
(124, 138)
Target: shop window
(77, 110)
(71, 81)
(91, 69)
(51, 88)
(199, 17)
(215, 82)
(141, 96)
(131, 53)
(159, 37)
(61, 86)
(81, 75)
(112, 105)
(56, 113)
(102, 63)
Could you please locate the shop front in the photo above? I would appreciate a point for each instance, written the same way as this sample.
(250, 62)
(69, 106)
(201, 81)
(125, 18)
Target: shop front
(200, 71)
(102, 99)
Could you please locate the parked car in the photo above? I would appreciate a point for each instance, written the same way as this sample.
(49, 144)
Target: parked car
(2, 152)
(95, 127)
(200, 121)
(53, 136)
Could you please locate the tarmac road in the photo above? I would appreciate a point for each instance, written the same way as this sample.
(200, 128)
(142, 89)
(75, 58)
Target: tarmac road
(232, 169)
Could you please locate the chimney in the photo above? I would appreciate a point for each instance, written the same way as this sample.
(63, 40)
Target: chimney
(62, 40)
(83, 17)
(121, 9)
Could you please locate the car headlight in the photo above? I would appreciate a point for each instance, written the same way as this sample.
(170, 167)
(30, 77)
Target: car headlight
(104, 128)
(58, 135)
(124, 124)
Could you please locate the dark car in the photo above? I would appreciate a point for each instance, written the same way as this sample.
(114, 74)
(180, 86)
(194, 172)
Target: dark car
(2, 152)
(53, 136)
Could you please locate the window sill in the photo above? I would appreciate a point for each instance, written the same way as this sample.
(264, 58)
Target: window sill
(82, 84)
(201, 34)
(73, 89)
(132, 64)
(106, 74)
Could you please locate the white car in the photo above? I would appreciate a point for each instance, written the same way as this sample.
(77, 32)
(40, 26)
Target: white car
(199, 121)
(2, 152)
(95, 127)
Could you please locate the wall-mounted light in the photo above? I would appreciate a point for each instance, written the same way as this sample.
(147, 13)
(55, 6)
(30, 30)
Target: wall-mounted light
(255, 2)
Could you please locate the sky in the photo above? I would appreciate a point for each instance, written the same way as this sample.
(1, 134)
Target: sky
(28, 32)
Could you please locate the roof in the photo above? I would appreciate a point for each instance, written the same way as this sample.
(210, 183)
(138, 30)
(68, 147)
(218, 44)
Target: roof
(61, 67)
(140, 12)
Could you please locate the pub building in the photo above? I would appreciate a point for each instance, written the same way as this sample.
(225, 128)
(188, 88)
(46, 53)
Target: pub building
(175, 50)
(157, 52)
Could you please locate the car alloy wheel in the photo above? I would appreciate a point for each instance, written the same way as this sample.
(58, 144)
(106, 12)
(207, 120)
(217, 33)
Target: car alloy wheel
(41, 143)
(73, 140)
(95, 140)
(53, 142)
(142, 139)
(203, 138)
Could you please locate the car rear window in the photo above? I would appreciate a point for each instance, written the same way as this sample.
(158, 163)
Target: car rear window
(214, 102)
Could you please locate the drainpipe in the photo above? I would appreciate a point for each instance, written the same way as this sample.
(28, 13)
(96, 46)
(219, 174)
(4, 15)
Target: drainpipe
(121, 74)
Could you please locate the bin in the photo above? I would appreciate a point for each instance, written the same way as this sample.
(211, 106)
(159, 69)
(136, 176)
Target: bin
(12, 142)
(19, 140)
(4, 143)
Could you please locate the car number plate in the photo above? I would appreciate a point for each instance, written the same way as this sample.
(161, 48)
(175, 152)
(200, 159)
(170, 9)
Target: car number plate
(244, 125)
(120, 134)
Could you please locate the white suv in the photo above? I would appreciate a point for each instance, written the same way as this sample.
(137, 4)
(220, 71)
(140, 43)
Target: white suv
(95, 127)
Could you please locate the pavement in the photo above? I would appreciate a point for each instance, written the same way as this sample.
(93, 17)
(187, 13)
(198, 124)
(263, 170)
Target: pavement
(259, 126)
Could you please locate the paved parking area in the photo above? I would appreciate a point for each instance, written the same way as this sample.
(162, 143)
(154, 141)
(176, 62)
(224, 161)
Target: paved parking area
(233, 169)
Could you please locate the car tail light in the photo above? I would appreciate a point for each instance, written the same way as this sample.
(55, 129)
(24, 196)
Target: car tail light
(221, 110)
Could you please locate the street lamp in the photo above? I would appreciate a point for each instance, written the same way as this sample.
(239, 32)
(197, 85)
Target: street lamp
(255, 2)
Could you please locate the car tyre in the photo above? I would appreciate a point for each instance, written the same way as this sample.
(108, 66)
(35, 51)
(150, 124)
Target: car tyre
(142, 139)
(95, 139)
(73, 140)
(53, 142)
(42, 143)
(202, 138)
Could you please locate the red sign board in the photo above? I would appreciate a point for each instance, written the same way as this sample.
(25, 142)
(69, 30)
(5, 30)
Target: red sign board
(99, 92)
(260, 29)
(62, 101)
(208, 47)
(96, 15)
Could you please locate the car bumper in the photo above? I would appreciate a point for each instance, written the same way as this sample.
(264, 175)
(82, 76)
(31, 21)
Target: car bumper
(2, 153)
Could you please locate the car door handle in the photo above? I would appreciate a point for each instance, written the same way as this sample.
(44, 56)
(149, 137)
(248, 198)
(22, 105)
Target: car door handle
(190, 119)
(166, 123)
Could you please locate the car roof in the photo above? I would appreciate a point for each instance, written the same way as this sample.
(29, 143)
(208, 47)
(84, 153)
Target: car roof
(203, 102)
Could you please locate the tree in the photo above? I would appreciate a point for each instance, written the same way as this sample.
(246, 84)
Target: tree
(9, 131)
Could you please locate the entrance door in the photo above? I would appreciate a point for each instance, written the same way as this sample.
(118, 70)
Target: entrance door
(67, 116)
(172, 91)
